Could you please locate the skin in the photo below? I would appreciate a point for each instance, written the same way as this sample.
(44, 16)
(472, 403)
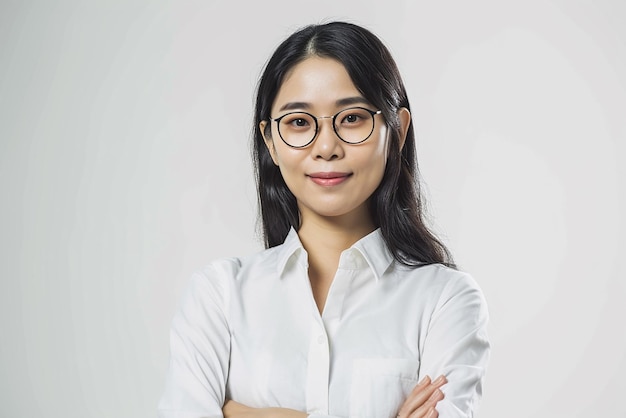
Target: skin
(333, 217)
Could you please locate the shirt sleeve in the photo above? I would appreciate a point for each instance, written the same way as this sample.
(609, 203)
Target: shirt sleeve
(199, 351)
(457, 346)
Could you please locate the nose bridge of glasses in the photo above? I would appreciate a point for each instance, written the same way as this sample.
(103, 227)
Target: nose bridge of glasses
(334, 131)
(318, 124)
(332, 118)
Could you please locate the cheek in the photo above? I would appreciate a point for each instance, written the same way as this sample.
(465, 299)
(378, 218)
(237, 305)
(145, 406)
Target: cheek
(383, 142)
(289, 162)
(378, 161)
(381, 152)
(372, 166)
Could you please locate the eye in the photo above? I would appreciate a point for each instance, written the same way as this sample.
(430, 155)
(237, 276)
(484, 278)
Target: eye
(297, 122)
(353, 117)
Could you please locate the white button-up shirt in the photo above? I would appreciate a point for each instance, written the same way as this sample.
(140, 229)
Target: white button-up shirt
(249, 330)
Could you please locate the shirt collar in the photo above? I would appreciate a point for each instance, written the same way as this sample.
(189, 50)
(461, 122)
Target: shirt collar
(371, 247)
(374, 250)
(292, 246)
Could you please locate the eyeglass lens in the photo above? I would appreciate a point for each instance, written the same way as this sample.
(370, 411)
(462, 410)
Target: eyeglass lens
(354, 125)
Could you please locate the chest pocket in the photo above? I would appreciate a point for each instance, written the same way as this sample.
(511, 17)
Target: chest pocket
(380, 386)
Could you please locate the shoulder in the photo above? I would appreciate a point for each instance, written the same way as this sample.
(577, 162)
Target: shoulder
(215, 283)
(459, 292)
(442, 286)
(221, 272)
(451, 280)
(436, 276)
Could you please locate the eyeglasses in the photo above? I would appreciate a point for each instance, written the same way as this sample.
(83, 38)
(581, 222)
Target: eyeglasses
(353, 126)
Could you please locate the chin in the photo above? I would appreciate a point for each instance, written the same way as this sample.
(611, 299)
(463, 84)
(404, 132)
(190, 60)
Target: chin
(335, 211)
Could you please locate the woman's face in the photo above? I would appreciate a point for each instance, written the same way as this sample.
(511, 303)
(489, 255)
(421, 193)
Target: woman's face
(329, 178)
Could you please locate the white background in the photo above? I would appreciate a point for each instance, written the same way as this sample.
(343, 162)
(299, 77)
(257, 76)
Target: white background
(124, 166)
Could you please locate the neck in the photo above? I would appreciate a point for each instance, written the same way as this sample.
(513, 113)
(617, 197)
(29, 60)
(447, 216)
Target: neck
(330, 235)
(324, 238)
(319, 233)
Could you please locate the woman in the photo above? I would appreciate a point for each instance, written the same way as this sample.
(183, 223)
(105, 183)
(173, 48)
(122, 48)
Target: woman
(355, 308)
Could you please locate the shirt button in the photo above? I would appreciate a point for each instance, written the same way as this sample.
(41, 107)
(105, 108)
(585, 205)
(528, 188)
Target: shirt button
(320, 339)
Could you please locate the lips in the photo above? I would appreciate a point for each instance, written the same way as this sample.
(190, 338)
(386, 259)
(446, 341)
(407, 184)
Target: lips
(329, 178)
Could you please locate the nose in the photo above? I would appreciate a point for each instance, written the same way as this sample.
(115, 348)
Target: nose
(327, 145)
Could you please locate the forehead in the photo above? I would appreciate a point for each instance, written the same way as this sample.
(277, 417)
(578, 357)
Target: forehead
(316, 81)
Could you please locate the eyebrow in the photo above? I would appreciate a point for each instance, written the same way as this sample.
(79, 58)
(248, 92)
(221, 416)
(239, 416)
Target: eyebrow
(341, 102)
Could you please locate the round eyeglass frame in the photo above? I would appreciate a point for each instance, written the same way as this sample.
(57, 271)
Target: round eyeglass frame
(334, 118)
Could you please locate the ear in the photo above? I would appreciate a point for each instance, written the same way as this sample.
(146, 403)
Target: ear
(269, 142)
(405, 121)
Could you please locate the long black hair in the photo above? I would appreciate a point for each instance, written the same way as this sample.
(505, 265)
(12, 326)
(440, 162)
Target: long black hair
(396, 206)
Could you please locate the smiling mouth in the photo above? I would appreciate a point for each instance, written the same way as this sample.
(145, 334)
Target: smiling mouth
(329, 178)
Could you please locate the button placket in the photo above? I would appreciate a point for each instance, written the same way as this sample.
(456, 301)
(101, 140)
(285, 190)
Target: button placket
(323, 328)
(318, 368)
